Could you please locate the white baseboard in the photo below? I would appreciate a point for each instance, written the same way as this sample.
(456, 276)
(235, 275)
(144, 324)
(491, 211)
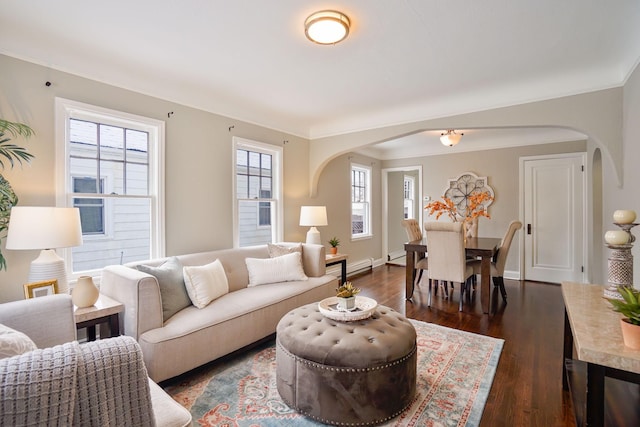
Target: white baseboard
(353, 267)
(513, 275)
(396, 254)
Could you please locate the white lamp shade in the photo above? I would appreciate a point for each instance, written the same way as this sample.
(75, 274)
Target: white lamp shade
(313, 216)
(33, 227)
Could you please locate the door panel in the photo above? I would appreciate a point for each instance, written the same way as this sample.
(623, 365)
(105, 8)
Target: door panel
(554, 219)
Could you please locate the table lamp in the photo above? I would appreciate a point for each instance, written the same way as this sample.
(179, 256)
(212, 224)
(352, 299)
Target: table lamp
(313, 216)
(45, 228)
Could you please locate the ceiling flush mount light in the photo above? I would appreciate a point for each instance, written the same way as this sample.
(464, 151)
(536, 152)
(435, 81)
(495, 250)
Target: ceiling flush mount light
(327, 27)
(450, 138)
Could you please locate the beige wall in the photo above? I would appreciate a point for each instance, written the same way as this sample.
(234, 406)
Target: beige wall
(198, 160)
(334, 191)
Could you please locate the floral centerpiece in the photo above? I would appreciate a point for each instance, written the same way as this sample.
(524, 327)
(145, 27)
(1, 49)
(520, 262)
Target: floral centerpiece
(475, 208)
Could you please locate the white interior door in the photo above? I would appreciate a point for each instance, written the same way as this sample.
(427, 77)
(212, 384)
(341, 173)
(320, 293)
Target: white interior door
(554, 209)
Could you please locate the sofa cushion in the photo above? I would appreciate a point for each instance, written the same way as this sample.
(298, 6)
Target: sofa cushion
(13, 343)
(171, 282)
(284, 268)
(205, 283)
(279, 250)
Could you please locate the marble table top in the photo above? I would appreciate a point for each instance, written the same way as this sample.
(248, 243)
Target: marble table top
(597, 337)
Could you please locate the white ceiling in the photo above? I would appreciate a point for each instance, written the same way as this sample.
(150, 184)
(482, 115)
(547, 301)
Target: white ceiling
(403, 60)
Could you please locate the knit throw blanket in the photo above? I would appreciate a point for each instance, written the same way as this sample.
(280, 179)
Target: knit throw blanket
(99, 383)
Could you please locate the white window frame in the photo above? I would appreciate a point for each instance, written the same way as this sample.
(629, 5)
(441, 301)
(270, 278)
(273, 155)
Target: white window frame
(276, 180)
(66, 109)
(368, 233)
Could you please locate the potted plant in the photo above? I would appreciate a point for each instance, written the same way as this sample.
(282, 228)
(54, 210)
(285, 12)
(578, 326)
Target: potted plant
(347, 297)
(11, 153)
(629, 306)
(334, 242)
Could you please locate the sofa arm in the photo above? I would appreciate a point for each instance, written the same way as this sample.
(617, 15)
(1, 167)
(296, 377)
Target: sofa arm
(314, 260)
(47, 320)
(139, 293)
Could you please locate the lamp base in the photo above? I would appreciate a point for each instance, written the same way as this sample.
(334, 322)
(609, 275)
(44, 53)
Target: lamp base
(49, 266)
(313, 236)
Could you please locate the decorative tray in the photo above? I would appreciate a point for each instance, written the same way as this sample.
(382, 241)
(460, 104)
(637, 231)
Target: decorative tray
(364, 309)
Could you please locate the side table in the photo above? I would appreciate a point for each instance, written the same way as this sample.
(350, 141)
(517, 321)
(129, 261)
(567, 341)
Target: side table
(338, 259)
(104, 311)
(598, 370)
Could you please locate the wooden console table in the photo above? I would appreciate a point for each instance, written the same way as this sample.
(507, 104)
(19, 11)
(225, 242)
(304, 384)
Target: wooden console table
(601, 370)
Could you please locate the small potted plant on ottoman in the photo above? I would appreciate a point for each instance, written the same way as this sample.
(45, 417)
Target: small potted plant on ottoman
(347, 297)
(334, 242)
(629, 306)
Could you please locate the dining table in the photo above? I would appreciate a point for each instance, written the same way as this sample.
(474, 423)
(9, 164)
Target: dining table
(484, 248)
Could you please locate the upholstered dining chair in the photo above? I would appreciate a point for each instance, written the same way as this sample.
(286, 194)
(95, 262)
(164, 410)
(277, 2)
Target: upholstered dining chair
(447, 260)
(412, 228)
(500, 259)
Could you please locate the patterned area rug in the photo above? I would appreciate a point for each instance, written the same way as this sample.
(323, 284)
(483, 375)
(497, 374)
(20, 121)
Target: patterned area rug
(455, 372)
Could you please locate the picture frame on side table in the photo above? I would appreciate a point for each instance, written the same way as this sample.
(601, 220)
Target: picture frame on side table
(40, 289)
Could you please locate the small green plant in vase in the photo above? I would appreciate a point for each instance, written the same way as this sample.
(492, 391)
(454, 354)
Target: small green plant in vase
(334, 242)
(347, 297)
(629, 306)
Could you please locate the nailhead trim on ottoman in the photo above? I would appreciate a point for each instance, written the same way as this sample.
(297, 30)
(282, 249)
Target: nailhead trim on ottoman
(346, 373)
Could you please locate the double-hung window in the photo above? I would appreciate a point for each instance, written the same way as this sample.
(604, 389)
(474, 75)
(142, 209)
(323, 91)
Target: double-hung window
(409, 184)
(257, 192)
(360, 201)
(109, 166)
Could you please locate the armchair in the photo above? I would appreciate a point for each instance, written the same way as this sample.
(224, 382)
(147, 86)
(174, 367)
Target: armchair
(64, 383)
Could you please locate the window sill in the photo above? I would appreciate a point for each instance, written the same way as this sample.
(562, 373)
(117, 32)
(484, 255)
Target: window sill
(364, 237)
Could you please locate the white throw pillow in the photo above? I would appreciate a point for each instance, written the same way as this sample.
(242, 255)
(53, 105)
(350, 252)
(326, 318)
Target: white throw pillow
(284, 268)
(13, 343)
(205, 283)
(279, 250)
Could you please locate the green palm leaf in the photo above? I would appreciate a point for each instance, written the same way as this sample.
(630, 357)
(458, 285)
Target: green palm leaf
(15, 129)
(12, 152)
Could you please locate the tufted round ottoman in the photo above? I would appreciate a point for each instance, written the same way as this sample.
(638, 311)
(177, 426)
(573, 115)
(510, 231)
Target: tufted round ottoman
(346, 373)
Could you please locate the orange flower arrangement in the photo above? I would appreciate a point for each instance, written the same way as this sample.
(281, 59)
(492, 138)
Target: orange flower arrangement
(475, 207)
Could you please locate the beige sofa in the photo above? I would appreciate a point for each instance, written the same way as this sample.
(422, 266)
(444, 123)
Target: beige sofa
(193, 336)
(62, 383)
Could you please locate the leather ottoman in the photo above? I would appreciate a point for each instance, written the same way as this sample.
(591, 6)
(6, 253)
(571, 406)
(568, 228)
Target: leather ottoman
(346, 373)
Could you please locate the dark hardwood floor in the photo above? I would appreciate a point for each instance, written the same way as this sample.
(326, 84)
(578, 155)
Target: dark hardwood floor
(527, 388)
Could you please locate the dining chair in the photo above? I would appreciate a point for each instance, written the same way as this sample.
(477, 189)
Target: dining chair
(447, 260)
(500, 259)
(412, 228)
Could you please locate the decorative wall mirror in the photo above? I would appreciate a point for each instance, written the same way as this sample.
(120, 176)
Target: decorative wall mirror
(463, 186)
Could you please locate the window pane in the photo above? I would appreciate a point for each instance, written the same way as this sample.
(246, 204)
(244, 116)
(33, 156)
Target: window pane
(137, 146)
(265, 189)
(358, 218)
(137, 179)
(266, 164)
(91, 215)
(242, 186)
(83, 139)
(128, 240)
(254, 163)
(264, 214)
(111, 143)
(249, 231)
(254, 186)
